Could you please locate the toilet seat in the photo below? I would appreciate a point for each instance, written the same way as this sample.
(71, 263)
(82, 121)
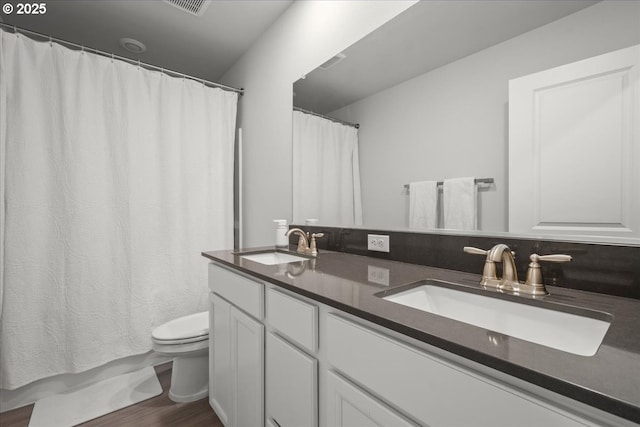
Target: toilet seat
(182, 348)
(187, 329)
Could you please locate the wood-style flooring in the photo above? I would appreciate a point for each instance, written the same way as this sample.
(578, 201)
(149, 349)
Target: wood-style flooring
(157, 411)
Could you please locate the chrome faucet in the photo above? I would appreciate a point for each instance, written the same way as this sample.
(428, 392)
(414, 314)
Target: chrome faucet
(304, 247)
(509, 282)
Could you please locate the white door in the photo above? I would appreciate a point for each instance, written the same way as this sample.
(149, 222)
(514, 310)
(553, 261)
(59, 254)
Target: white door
(247, 358)
(220, 375)
(292, 385)
(574, 150)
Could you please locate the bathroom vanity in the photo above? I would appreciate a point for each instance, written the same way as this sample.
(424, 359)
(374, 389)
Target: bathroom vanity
(320, 342)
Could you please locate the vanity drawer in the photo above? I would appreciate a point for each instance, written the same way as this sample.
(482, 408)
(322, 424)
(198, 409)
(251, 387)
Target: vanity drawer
(429, 388)
(240, 290)
(293, 318)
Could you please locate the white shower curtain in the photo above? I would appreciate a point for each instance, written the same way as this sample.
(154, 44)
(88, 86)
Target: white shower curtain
(326, 172)
(114, 179)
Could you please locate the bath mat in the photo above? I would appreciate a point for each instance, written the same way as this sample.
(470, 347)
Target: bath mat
(103, 397)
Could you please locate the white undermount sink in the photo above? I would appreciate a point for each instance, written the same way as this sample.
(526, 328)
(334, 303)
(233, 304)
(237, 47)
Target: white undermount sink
(569, 332)
(273, 257)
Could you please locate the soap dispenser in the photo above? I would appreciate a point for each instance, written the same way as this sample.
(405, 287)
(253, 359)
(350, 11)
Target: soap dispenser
(282, 241)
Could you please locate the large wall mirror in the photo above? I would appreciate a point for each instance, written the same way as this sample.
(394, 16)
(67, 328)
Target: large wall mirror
(430, 93)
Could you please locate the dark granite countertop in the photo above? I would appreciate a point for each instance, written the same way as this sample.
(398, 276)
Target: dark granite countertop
(609, 380)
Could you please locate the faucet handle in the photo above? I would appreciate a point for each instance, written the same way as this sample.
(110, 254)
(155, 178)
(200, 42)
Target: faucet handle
(474, 251)
(534, 281)
(551, 258)
(313, 248)
(489, 272)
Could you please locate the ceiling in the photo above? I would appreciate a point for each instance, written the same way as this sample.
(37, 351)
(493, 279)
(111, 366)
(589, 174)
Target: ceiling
(426, 36)
(202, 46)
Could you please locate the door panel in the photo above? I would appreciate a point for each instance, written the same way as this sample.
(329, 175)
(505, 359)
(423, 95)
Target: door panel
(247, 355)
(292, 384)
(574, 150)
(220, 375)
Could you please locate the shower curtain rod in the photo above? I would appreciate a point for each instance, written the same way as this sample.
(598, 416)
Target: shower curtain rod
(122, 58)
(357, 126)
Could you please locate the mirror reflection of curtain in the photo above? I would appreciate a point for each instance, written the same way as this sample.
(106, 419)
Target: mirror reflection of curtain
(114, 179)
(326, 172)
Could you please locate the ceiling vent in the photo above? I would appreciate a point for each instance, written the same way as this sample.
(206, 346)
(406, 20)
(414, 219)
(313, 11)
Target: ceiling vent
(332, 61)
(194, 7)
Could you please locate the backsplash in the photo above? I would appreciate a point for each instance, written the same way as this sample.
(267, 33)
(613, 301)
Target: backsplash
(602, 268)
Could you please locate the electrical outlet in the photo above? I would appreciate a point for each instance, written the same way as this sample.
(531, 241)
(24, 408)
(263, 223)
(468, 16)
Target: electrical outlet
(378, 275)
(378, 242)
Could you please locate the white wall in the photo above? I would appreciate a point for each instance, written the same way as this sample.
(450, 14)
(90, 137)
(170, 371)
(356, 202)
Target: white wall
(452, 121)
(305, 36)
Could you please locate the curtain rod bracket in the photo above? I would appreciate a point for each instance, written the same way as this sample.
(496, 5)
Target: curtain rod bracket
(302, 110)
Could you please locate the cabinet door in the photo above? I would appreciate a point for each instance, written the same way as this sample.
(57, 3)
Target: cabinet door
(292, 385)
(220, 375)
(348, 406)
(574, 148)
(247, 356)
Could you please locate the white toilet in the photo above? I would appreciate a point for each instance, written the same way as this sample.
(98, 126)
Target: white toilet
(186, 339)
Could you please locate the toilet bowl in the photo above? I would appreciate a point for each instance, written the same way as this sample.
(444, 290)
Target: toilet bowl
(186, 339)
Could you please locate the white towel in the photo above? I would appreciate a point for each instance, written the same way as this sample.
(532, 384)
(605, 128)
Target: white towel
(423, 204)
(459, 195)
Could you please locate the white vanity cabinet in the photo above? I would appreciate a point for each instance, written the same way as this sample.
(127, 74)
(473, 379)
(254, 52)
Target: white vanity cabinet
(278, 359)
(291, 368)
(236, 348)
(428, 388)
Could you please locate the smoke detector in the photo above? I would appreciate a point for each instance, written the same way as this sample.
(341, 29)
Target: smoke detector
(194, 7)
(132, 45)
(332, 61)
